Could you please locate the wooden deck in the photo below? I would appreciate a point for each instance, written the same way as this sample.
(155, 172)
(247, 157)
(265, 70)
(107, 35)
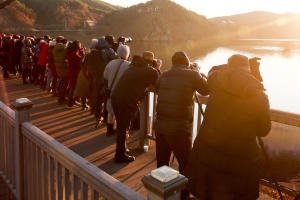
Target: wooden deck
(75, 128)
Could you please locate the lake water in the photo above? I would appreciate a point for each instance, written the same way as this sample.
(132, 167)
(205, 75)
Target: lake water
(280, 63)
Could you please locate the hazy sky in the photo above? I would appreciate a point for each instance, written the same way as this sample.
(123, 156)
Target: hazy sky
(214, 8)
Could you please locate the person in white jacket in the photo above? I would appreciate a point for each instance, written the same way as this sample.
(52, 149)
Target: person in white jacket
(112, 73)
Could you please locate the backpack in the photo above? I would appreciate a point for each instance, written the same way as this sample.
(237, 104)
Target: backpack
(94, 63)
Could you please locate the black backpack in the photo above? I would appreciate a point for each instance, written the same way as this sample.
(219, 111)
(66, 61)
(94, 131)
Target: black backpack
(94, 63)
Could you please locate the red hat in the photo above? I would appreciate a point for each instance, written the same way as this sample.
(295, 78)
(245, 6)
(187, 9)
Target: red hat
(16, 36)
(2, 35)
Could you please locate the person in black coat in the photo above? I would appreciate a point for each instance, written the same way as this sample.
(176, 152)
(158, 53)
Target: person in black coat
(175, 89)
(224, 162)
(127, 95)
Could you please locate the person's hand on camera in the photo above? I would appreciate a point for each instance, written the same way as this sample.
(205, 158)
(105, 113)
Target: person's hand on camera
(195, 67)
(82, 51)
(158, 64)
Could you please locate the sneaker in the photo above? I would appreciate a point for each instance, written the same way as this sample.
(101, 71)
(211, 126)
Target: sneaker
(74, 106)
(103, 121)
(85, 107)
(125, 159)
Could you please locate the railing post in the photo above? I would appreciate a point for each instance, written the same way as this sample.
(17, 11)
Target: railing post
(22, 108)
(164, 183)
(144, 121)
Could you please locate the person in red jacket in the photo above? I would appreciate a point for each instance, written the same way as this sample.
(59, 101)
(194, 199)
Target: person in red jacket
(42, 63)
(74, 53)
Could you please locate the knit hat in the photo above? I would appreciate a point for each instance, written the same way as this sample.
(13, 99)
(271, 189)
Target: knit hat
(59, 39)
(110, 39)
(148, 55)
(94, 42)
(52, 43)
(27, 42)
(123, 51)
(180, 57)
(238, 61)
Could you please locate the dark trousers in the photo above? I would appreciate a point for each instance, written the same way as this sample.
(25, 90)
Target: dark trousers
(71, 97)
(5, 65)
(41, 70)
(54, 83)
(62, 88)
(180, 145)
(26, 74)
(124, 115)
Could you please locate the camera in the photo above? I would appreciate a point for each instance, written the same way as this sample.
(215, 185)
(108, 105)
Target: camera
(254, 68)
(195, 66)
(121, 41)
(124, 40)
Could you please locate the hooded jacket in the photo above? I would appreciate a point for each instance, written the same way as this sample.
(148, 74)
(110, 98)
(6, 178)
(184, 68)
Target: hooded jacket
(133, 84)
(108, 53)
(224, 163)
(60, 60)
(175, 89)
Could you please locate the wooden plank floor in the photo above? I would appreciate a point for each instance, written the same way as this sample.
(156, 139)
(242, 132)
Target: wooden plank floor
(75, 129)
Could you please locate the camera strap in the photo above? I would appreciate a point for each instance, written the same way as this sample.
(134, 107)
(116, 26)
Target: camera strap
(116, 74)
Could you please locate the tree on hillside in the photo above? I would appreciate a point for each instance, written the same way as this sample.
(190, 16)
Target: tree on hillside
(6, 3)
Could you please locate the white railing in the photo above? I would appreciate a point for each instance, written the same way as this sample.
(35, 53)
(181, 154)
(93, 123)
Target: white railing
(7, 161)
(35, 166)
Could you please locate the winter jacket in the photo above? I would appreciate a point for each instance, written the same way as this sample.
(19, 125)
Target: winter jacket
(224, 162)
(17, 51)
(108, 53)
(43, 57)
(73, 58)
(133, 84)
(60, 60)
(176, 89)
(110, 75)
(26, 56)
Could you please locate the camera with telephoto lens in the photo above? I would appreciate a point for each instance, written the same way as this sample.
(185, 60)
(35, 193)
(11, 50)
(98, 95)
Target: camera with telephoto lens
(121, 41)
(254, 68)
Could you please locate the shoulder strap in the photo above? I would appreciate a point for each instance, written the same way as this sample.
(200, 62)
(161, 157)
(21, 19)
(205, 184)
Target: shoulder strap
(116, 74)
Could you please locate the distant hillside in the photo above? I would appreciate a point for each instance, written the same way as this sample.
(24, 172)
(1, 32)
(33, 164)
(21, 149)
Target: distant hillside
(53, 14)
(260, 24)
(158, 20)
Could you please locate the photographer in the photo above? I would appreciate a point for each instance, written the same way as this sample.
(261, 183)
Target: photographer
(127, 95)
(223, 163)
(175, 89)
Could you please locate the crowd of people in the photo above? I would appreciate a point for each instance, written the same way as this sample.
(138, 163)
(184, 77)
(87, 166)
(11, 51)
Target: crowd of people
(223, 162)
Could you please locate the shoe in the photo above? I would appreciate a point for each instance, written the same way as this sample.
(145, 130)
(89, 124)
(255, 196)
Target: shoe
(103, 121)
(74, 106)
(25, 82)
(125, 159)
(85, 107)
